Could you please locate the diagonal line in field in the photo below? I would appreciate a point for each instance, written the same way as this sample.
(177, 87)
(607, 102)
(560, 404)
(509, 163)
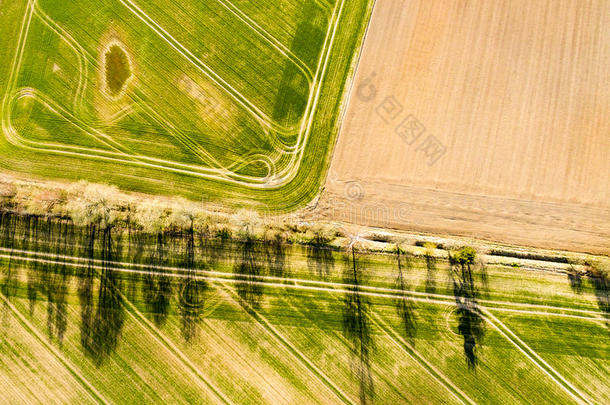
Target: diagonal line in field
(271, 40)
(172, 348)
(73, 370)
(284, 341)
(52, 106)
(80, 52)
(184, 139)
(200, 65)
(323, 4)
(425, 364)
(538, 361)
(415, 355)
(242, 358)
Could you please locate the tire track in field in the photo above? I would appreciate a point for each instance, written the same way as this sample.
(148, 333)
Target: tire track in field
(538, 361)
(296, 152)
(54, 107)
(261, 320)
(421, 360)
(342, 339)
(312, 285)
(91, 390)
(85, 57)
(172, 349)
(270, 39)
(80, 52)
(36, 10)
(497, 324)
(414, 354)
(201, 66)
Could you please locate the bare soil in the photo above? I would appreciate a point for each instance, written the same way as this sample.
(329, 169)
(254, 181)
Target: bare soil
(483, 119)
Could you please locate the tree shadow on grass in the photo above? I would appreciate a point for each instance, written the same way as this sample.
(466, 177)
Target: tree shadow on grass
(156, 285)
(320, 256)
(404, 305)
(192, 289)
(248, 268)
(356, 327)
(471, 325)
(600, 280)
(102, 310)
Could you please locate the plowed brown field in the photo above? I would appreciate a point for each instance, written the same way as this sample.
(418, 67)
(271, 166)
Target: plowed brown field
(486, 119)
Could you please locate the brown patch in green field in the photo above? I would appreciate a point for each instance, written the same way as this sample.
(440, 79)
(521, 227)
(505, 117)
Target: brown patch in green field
(117, 69)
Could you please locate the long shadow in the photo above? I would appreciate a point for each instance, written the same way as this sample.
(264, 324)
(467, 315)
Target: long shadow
(34, 281)
(320, 257)
(101, 321)
(156, 286)
(600, 280)
(471, 325)
(356, 327)
(211, 247)
(430, 273)
(291, 99)
(275, 253)
(137, 243)
(247, 269)
(575, 280)
(56, 281)
(9, 224)
(404, 305)
(192, 290)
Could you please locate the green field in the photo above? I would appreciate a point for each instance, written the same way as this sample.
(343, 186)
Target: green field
(223, 98)
(91, 315)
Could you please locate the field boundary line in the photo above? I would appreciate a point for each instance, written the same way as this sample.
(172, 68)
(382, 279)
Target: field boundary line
(284, 341)
(72, 369)
(555, 376)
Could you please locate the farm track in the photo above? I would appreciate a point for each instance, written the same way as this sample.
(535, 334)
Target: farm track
(311, 285)
(538, 361)
(94, 394)
(410, 351)
(272, 331)
(216, 172)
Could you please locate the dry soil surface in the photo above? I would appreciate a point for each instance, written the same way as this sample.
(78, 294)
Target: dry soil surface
(488, 119)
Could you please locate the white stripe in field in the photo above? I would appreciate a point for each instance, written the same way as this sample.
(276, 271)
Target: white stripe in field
(157, 335)
(301, 284)
(270, 39)
(538, 361)
(272, 181)
(273, 332)
(91, 390)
